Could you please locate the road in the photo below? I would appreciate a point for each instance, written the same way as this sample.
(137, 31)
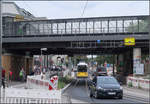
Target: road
(79, 93)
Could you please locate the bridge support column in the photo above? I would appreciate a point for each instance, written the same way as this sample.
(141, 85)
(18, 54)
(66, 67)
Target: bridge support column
(128, 63)
(120, 64)
(28, 64)
(14, 63)
(136, 58)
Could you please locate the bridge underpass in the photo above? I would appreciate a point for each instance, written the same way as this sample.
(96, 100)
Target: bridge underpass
(76, 36)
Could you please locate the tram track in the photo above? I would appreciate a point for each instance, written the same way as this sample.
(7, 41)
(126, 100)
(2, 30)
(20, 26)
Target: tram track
(79, 92)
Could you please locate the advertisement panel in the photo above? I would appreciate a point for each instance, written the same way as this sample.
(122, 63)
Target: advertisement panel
(138, 69)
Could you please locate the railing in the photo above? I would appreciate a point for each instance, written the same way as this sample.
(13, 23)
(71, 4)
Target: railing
(87, 26)
(18, 100)
(23, 100)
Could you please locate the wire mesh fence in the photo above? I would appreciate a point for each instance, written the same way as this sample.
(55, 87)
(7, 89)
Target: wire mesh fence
(23, 100)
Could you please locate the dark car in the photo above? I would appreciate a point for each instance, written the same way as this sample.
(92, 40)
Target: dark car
(100, 71)
(105, 86)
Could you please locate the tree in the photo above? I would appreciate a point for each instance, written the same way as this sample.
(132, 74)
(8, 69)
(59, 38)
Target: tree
(104, 58)
(143, 26)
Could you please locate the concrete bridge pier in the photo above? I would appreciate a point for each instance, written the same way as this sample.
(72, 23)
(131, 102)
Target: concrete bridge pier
(14, 63)
(136, 58)
(128, 63)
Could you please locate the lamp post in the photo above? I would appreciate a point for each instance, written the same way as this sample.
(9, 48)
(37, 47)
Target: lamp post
(42, 49)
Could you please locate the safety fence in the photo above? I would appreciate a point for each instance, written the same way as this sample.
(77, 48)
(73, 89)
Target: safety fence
(24, 100)
(38, 82)
(13, 95)
(28, 100)
(138, 82)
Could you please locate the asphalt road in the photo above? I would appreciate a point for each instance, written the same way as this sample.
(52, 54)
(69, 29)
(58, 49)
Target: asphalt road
(78, 92)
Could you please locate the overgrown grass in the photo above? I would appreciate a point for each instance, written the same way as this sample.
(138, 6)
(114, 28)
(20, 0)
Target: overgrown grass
(63, 81)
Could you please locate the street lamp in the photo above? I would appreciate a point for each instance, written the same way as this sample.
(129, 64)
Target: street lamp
(42, 49)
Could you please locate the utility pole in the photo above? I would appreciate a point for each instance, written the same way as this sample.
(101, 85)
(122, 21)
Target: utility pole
(0, 43)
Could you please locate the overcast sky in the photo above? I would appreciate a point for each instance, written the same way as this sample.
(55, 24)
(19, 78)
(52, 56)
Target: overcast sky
(74, 9)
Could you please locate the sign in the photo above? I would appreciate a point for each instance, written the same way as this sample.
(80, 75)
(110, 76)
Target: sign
(53, 83)
(138, 69)
(98, 41)
(108, 65)
(129, 41)
(18, 18)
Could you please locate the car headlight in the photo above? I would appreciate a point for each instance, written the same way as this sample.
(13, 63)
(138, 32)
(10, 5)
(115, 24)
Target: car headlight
(100, 88)
(121, 87)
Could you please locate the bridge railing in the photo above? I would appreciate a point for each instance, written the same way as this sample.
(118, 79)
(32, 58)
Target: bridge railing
(130, 24)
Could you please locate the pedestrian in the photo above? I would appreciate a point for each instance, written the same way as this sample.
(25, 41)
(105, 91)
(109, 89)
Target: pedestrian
(3, 77)
(10, 75)
(22, 74)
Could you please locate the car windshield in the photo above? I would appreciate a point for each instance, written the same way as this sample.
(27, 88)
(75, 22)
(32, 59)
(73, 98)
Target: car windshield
(82, 68)
(101, 69)
(107, 80)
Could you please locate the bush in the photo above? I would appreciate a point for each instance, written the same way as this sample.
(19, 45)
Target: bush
(63, 81)
(130, 84)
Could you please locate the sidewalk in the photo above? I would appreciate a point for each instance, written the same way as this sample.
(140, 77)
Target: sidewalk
(135, 91)
(30, 93)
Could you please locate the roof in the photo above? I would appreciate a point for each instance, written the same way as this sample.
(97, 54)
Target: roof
(82, 63)
(11, 9)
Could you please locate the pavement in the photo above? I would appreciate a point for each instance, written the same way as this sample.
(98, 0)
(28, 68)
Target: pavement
(135, 91)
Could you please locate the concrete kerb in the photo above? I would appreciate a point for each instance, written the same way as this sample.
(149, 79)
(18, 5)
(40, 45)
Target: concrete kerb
(62, 90)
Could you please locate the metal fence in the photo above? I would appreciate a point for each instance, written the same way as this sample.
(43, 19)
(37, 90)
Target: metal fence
(23, 100)
(121, 24)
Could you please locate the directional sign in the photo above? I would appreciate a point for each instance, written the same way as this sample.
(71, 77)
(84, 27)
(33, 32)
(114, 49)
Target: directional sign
(98, 41)
(18, 18)
(130, 41)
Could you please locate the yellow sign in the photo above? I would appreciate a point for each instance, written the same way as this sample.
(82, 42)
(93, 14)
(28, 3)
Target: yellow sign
(18, 18)
(129, 41)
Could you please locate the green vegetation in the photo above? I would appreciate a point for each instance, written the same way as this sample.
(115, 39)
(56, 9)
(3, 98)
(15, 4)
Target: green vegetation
(130, 84)
(63, 81)
(143, 26)
(102, 58)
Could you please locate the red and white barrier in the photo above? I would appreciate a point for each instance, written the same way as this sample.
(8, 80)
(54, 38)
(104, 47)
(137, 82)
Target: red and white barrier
(139, 82)
(53, 83)
(35, 82)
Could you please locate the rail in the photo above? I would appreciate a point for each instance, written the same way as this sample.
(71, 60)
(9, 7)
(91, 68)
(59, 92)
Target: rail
(122, 24)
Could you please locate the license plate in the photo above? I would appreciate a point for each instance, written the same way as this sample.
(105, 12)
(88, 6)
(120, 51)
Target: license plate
(111, 93)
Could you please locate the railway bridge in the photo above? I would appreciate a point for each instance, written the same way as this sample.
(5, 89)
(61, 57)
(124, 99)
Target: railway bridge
(124, 36)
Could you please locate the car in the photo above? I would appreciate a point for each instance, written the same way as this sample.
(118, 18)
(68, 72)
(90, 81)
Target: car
(100, 71)
(105, 86)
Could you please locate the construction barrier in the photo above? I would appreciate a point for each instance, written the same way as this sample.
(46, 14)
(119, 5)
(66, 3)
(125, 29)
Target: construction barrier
(53, 83)
(37, 83)
(139, 82)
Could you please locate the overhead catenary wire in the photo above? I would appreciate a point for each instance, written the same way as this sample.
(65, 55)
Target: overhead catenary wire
(32, 10)
(85, 6)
